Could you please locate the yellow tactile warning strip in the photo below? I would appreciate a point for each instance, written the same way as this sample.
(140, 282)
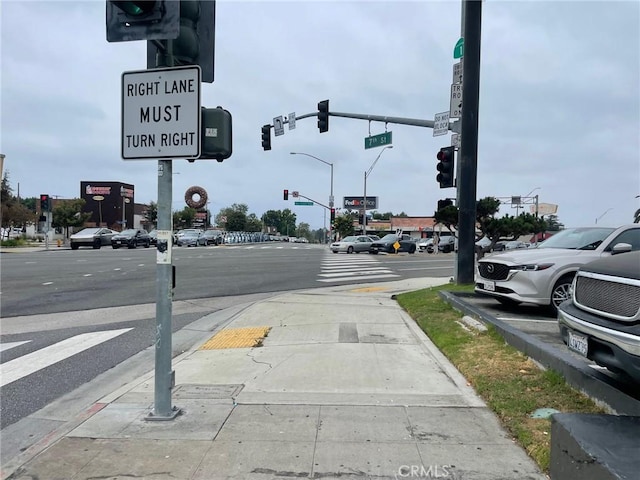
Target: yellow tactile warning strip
(369, 289)
(236, 338)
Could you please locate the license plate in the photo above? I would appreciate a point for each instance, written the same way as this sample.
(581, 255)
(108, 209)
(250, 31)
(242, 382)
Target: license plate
(490, 286)
(578, 343)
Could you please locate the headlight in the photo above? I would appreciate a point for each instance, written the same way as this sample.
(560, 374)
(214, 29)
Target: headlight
(533, 267)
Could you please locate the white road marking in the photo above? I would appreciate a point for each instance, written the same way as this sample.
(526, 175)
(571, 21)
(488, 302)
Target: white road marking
(32, 362)
(8, 345)
(354, 278)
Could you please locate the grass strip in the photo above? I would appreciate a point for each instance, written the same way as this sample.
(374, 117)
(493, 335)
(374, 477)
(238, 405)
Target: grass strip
(509, 382)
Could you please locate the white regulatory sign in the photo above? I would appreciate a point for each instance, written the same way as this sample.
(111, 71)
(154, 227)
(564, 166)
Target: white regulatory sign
(161, 113)
(278, 126)
(457, 72)
(455, 140)
(441, 124)
(455, 108)
(292, 120)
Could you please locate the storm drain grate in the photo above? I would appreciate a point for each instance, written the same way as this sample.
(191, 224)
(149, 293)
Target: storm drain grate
(237, 338)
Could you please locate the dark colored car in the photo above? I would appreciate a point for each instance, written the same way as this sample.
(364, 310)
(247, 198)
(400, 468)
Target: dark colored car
(213, 237)
(388, 242)
(131, 238)
(602, 319)
(191, 239)
(91, 237)
(153, 235)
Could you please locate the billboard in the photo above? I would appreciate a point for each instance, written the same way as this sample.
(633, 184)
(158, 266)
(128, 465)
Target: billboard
(356, 203)
(111, 204)
(544, 209)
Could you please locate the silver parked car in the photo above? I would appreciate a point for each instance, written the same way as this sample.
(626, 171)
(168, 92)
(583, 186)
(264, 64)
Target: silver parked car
(543, 275)
(353, 243)
(91, 237)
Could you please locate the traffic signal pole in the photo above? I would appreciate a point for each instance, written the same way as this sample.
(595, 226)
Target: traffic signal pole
(164, 379)
(468, 155)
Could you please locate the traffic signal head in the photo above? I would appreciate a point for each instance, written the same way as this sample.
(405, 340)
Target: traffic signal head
(44, 203)
(286, 194)
(216, 134)
(323, 116)
(142, 20)
(333, 215)
(446, 167)
(195, 44)
(266, 137)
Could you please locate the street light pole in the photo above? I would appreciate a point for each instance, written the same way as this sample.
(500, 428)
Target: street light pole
(364, 203)
(605, 212)
(331, 191)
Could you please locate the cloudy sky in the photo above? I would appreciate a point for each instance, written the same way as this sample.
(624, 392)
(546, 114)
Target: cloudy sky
(559, 103)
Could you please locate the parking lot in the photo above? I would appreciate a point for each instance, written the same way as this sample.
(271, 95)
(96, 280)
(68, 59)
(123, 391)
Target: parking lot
(539, 323)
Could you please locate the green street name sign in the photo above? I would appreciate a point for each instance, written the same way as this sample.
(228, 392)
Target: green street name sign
(303, 203)
(458, 50)
(377, 140)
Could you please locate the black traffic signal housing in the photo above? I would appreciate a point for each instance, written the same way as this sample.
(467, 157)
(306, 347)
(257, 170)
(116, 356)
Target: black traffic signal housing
(286, 194)
(216, 136)
(323, 116)
(447, 202)
(45, 203)
(266, 137)
(195, 44)
(446, 167)
(333, 215)
(142, 20)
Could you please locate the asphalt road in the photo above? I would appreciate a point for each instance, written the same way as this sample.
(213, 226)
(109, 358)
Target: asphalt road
(66, 280)
(57, 299)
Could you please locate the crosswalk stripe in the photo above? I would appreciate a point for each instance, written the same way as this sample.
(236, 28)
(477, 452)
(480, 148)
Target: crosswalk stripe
(358, 273)
(8, 345)
(341, 279)
(32, 362)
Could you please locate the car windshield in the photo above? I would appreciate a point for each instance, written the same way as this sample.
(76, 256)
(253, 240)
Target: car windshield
(349, 239)
(89, 231)
(131, 231)
(191, 234)
(577, 238)
(389, 238)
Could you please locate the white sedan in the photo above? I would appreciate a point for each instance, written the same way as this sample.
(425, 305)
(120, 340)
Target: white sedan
(351, 244)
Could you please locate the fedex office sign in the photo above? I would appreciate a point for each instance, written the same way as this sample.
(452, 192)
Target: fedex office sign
(355, 203)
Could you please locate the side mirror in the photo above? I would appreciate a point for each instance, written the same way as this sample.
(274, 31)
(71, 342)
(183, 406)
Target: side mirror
(620, 248)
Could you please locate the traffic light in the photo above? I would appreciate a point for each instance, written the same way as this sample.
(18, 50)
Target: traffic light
(195, 44)
(446, 167)
(266, 137)
(142, 20)
(216, 136)
(44, 203)
(323, 116)
(286, 194)
(444, 203)
(333, 215)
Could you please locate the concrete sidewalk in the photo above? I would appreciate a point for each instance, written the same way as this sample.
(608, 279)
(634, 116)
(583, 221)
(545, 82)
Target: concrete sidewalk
(345, 385)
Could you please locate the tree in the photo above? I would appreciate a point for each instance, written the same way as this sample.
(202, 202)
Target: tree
(68, 213)
(271, 218)
(287, 224)
(253, 223)
(343, 224)
(636, 216)
(234, 218)
(184, 218)
(14, 213)
(553, 225)
(304, 231)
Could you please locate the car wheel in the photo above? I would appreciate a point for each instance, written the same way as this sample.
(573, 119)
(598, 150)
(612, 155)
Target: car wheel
(373, 252)
(147, 245)
(74, 246)
(350, 250)
(96, 244)
(132, 245)
(412, 249)
(561, 292)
